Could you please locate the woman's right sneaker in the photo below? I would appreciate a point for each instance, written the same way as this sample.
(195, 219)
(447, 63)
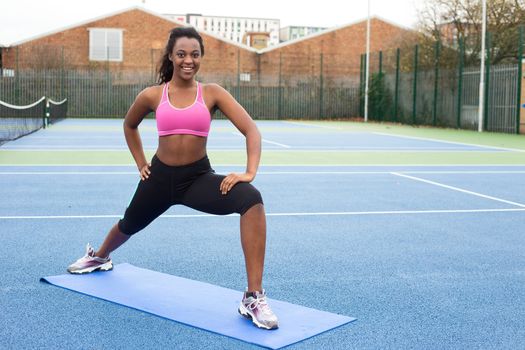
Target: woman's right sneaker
(89, 263)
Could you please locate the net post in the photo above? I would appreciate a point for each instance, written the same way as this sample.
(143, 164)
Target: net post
(45, 115)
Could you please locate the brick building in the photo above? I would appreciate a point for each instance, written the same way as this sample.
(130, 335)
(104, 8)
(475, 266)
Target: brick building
(128, 40)
(132, 40)
(340, 47)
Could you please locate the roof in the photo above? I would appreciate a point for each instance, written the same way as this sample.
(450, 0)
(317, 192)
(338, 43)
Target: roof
(329, 30)
(215, 36)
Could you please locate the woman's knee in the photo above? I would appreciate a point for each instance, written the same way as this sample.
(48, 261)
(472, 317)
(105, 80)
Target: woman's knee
(250, 198)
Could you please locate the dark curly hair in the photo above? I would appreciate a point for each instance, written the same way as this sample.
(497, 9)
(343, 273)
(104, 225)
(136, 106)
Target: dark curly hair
(166, 66)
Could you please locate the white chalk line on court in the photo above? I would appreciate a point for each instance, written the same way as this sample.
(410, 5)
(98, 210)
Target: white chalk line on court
(459, 189)
(450, 142)
(276, 143)
(263, 140)
(346, 213)
(313, 125)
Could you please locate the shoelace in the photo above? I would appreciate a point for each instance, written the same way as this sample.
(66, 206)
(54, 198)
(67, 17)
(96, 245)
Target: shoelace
(261, 304)
(90, 255)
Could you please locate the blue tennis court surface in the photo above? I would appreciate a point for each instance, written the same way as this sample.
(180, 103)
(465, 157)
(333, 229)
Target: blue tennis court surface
(107, 134)
(423, 256)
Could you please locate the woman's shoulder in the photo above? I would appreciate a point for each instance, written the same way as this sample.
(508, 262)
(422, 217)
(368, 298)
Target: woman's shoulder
(151, 95)
(211, 87)
(214, 90)
(152, 91)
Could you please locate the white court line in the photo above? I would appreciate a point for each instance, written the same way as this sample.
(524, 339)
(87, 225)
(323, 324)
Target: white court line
(459, 189)
(470, 172)
(264, 140)
(276, 143)
(314, 125)
(450, 142)
(345, 213)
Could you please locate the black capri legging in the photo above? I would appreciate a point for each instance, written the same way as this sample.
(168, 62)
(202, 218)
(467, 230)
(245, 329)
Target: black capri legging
(194, 185)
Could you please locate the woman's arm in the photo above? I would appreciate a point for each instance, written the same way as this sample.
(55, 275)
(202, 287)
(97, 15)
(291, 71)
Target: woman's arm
(136, 113)
(245, 124)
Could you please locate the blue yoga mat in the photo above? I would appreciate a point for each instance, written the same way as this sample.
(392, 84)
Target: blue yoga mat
(198, 304)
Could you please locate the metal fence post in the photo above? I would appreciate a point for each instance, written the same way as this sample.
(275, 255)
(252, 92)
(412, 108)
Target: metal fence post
(416, 53)
(487, 84)
(62, 76)
(321, 87)
(380, 80)
(460, 82)
(520, 73)
(238, 75)
(396, 92)
(108, 82)
(436, 80)
(152, 64)
(279, 108)
(361, 82)
(17, 88)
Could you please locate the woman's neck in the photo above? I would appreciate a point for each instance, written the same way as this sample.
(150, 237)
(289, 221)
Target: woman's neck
(180, 83)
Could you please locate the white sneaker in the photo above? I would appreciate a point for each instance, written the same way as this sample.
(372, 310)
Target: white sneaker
(89, 263)
(257, 309)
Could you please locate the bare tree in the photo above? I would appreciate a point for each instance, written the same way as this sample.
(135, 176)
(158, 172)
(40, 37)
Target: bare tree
(450, 21)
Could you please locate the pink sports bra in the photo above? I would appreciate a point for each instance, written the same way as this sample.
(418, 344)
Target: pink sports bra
(192, 120)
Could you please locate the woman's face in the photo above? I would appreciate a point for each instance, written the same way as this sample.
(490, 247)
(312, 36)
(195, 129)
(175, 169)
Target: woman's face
(186, 58)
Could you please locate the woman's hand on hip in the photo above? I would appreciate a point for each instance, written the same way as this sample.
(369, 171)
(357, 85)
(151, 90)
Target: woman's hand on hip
(232, 179)
(144, 171)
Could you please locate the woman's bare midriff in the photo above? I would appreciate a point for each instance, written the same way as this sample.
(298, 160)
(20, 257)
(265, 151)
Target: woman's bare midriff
(177, 150)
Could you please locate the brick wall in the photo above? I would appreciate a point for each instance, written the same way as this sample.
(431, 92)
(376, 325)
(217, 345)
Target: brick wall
(341, 51)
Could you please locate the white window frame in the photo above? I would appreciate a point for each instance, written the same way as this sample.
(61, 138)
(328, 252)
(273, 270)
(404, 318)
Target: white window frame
(93, 57)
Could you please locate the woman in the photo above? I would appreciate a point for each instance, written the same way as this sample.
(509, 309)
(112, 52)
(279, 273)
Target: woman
(180, 172)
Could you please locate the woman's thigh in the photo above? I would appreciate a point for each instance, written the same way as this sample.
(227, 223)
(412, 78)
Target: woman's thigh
(205, 195)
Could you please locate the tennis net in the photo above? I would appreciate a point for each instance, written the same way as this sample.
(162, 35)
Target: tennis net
(57, 110)
(17, 121)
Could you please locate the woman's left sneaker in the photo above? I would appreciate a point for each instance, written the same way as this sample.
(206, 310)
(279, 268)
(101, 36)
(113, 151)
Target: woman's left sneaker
(254, 306)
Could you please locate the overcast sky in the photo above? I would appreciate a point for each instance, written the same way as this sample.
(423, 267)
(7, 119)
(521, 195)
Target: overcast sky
(23, 19)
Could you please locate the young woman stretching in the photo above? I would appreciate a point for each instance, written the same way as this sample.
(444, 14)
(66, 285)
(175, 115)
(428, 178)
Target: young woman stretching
(180, 172)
